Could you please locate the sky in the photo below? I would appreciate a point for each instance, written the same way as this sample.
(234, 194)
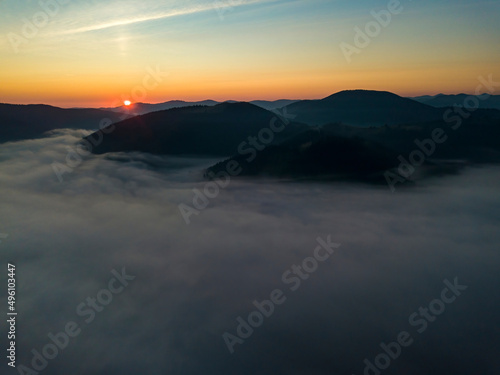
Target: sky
(96, 53)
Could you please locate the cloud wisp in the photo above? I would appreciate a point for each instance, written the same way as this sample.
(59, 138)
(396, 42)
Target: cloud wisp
(158, 15)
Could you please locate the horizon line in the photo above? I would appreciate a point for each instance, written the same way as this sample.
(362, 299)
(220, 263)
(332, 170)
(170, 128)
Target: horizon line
(234, 100)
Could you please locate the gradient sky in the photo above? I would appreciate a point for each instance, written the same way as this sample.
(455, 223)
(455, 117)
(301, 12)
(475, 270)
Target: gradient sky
(97, 52)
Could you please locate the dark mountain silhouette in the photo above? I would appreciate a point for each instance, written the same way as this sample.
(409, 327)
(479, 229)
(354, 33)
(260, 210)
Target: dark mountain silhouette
(460, 100)
(476, 140)
(31, 121)
(316, 153)
(199, 130)
(338, 149)
(136, 109)
(365, 153)
(369, 131)
(363, 108)
(270, 105)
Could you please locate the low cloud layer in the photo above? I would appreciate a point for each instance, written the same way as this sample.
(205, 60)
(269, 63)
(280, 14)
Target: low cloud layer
(193, 281)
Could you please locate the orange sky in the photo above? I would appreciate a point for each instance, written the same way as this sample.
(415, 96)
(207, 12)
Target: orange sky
(98, 56)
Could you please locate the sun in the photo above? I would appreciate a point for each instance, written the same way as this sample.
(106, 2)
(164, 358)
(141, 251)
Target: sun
(127, 102)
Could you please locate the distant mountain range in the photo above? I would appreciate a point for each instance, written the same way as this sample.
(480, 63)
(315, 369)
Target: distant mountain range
(460, 100)
(363, 108)
(136, 109)
(30, 121)
(270, 105)
(351, 134)
(142, 108)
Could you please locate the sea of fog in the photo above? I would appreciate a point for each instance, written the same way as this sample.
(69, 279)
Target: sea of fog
(417, 268)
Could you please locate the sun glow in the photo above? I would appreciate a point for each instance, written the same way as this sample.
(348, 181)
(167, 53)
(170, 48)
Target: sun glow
(127, 102)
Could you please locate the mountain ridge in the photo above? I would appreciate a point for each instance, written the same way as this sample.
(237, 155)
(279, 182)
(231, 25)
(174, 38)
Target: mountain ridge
(197, 130)
(24, 121)
(362, 108)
